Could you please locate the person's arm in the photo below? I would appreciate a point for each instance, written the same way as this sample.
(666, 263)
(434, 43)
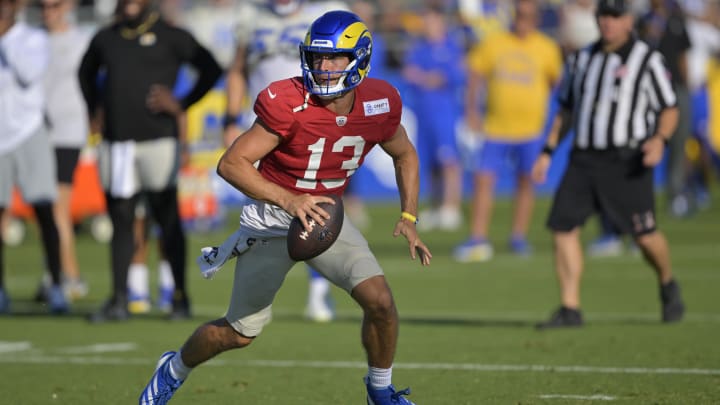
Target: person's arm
(29, 64)
(560, 127)
(668, 117)
(478, 61)
(160, 98)
(182, 125)
(236, 89)
(473, 96)
(87, 77)
(654, 147)
(406, 163)
(236, 166)
(209, 71)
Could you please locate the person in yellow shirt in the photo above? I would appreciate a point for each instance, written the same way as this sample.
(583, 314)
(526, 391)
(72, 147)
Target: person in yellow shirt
(516, 71)
(714, 111)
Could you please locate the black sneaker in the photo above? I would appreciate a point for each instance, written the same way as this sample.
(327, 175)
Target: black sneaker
(180, 307)
(673, 308)
(112, 311)
(564, 317)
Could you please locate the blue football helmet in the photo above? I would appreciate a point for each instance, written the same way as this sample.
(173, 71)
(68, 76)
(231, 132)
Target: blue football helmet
(336, 32)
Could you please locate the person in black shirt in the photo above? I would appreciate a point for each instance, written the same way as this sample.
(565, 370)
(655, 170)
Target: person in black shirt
(139, 56)
(663, 27)
(619, 98)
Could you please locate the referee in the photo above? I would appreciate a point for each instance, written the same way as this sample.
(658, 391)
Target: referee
(618, 97)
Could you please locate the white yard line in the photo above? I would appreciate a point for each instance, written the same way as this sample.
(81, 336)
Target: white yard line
(100, 348)
(529, 316)
(37, 357)
(595, 397)
(13, 347)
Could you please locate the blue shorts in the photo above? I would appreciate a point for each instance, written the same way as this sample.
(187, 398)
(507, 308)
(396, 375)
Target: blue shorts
(496, 157)
(436, 137)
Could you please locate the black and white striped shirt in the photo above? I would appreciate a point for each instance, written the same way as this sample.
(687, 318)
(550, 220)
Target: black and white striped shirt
(615, 97)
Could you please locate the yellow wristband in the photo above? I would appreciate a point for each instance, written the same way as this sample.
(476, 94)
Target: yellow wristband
(410, 217)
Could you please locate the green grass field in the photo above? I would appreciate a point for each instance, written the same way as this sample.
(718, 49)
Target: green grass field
(466, 334)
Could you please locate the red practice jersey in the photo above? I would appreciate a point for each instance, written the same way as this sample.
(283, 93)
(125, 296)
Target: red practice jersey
(320, 150)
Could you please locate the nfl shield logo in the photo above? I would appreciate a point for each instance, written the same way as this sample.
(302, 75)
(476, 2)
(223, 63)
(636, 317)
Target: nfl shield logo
(341, 120)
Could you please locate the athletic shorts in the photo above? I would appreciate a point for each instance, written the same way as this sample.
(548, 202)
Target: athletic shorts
(30, 167)
(497, 157)
(437, 141)
(611, 183)
(128, 167)
(67, 160)
(261, 269)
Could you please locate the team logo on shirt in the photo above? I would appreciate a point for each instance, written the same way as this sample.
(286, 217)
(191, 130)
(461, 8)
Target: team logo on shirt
(621, 71)
(341, 120)
(147, 39)
(376, 107)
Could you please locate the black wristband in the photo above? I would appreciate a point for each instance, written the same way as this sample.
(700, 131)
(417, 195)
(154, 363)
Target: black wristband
(665, 140)
(548, 150)
(229, 120)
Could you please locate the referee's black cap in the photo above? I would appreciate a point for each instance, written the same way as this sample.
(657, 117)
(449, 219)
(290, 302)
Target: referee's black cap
(615, 8)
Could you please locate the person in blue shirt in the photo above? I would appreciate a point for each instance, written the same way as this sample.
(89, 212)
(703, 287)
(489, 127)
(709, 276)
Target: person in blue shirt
(435, 75)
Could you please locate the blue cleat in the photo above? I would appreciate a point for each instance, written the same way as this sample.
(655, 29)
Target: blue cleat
(386, 396)
(605, 246)
(162, 385)
(165, 299)
(473, 250)
(138, 303)
(56, 300)
(520, 246)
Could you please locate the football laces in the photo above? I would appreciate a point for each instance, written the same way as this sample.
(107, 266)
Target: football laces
(305, 234)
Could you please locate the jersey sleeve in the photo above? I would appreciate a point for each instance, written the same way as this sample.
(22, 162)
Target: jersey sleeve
(185, 46)
(395, 113)
(661, 83)
(565, 89)
(554, 62)
(274, 111)
(478, 60)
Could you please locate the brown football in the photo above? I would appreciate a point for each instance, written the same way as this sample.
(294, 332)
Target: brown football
(303, 245)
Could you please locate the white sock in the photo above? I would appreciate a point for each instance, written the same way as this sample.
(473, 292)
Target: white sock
(319, 288)
(138, 281)
(166, 281)
(178, 369)
(380, 377)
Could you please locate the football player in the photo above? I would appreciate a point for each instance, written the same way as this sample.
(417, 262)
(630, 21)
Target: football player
(268, 37)
(311, 134)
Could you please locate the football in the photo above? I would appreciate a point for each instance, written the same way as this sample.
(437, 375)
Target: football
(303, 245)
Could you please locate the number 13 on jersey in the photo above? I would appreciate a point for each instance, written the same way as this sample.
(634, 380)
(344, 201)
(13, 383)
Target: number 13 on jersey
(320, 160)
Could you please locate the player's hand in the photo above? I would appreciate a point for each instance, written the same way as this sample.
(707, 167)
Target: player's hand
(540, 168)
(417, 247)
(161, 100)
(653, 150)
(304, 205)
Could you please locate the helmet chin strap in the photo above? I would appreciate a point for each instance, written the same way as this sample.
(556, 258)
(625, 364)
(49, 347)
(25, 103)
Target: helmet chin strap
(304, 105)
